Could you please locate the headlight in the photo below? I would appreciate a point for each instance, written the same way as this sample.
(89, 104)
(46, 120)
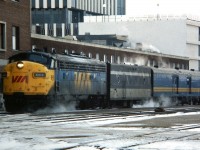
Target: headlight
(20, 65)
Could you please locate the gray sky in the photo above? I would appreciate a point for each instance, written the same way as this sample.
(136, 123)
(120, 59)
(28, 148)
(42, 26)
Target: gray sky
(163, 7)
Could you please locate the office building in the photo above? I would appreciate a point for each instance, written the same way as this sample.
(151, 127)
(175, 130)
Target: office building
(59, 18)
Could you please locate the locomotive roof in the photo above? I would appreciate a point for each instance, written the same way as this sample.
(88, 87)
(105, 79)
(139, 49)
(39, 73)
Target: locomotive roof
(175, 71)
(65, 58)
(78, 59)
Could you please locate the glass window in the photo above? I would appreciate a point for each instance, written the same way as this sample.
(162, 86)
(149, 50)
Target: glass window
(64, 3)
(97, 56)
(120, 7)
(48, 3)
(57, 3)
(90, 55)
(104, 58)
(118, 60)
(33, 3)
(41, 4)
(199, 65)
(199, 33)
(39, 58)
(15, 38)
(112, 59)
(2, 36)
(199, 49)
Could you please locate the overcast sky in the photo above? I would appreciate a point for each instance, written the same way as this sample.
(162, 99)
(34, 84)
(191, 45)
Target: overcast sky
(166, 7)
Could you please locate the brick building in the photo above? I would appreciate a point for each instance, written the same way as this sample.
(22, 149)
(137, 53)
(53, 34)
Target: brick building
(14, 27)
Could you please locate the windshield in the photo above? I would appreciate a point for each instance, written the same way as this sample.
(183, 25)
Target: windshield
(39, 58)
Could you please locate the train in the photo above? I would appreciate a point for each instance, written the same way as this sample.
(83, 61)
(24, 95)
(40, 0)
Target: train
(36, 79)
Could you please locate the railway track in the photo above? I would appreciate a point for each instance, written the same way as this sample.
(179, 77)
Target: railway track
(99, 128)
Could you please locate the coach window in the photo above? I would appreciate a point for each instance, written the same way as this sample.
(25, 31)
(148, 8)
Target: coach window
(2, 36)
(15, 38)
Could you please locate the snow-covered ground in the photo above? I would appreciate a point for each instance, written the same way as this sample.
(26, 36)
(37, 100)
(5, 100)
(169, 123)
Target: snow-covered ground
(178, 131)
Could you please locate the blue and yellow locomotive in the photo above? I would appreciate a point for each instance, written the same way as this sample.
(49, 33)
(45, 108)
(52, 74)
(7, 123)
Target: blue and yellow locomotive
(33, 80)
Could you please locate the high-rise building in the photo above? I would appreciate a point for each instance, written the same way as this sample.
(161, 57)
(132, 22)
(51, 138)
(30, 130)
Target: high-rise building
(61, 17)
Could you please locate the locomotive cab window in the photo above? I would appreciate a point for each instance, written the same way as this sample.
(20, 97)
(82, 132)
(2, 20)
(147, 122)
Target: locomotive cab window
(38, 58)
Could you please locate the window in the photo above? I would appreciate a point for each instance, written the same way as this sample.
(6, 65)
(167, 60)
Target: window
(48, 3)
(57, 3)
(97, 56)
(199, 33)
(199, 65)
(2, 36)
(15, 38)
(33, 3)
(90, 55)
(118, 59)
(112, 59)
(104, 58)
(39, 58)
(199, 49)
(41, 4)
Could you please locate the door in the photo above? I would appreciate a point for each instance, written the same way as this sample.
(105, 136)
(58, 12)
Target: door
(175, 84)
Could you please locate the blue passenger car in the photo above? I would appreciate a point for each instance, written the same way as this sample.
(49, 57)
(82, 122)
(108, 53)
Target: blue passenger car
(165, 82)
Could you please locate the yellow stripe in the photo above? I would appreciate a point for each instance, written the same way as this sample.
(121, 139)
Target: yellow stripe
(170, 89)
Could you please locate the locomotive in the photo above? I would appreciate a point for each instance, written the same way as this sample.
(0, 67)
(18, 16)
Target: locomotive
(34, 79)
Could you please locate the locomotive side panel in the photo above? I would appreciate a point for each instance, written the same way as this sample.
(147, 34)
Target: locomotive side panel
(80, 84)
(130, 82)
(80, 78)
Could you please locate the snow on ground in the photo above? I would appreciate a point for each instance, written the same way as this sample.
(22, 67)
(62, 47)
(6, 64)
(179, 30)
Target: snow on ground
(96, 134)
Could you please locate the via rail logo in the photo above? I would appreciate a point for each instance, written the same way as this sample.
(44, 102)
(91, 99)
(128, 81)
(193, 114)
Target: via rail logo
(19, 79)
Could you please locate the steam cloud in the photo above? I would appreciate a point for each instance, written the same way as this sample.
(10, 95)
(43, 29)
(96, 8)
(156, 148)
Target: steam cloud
(58, 108)
(161, 102)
